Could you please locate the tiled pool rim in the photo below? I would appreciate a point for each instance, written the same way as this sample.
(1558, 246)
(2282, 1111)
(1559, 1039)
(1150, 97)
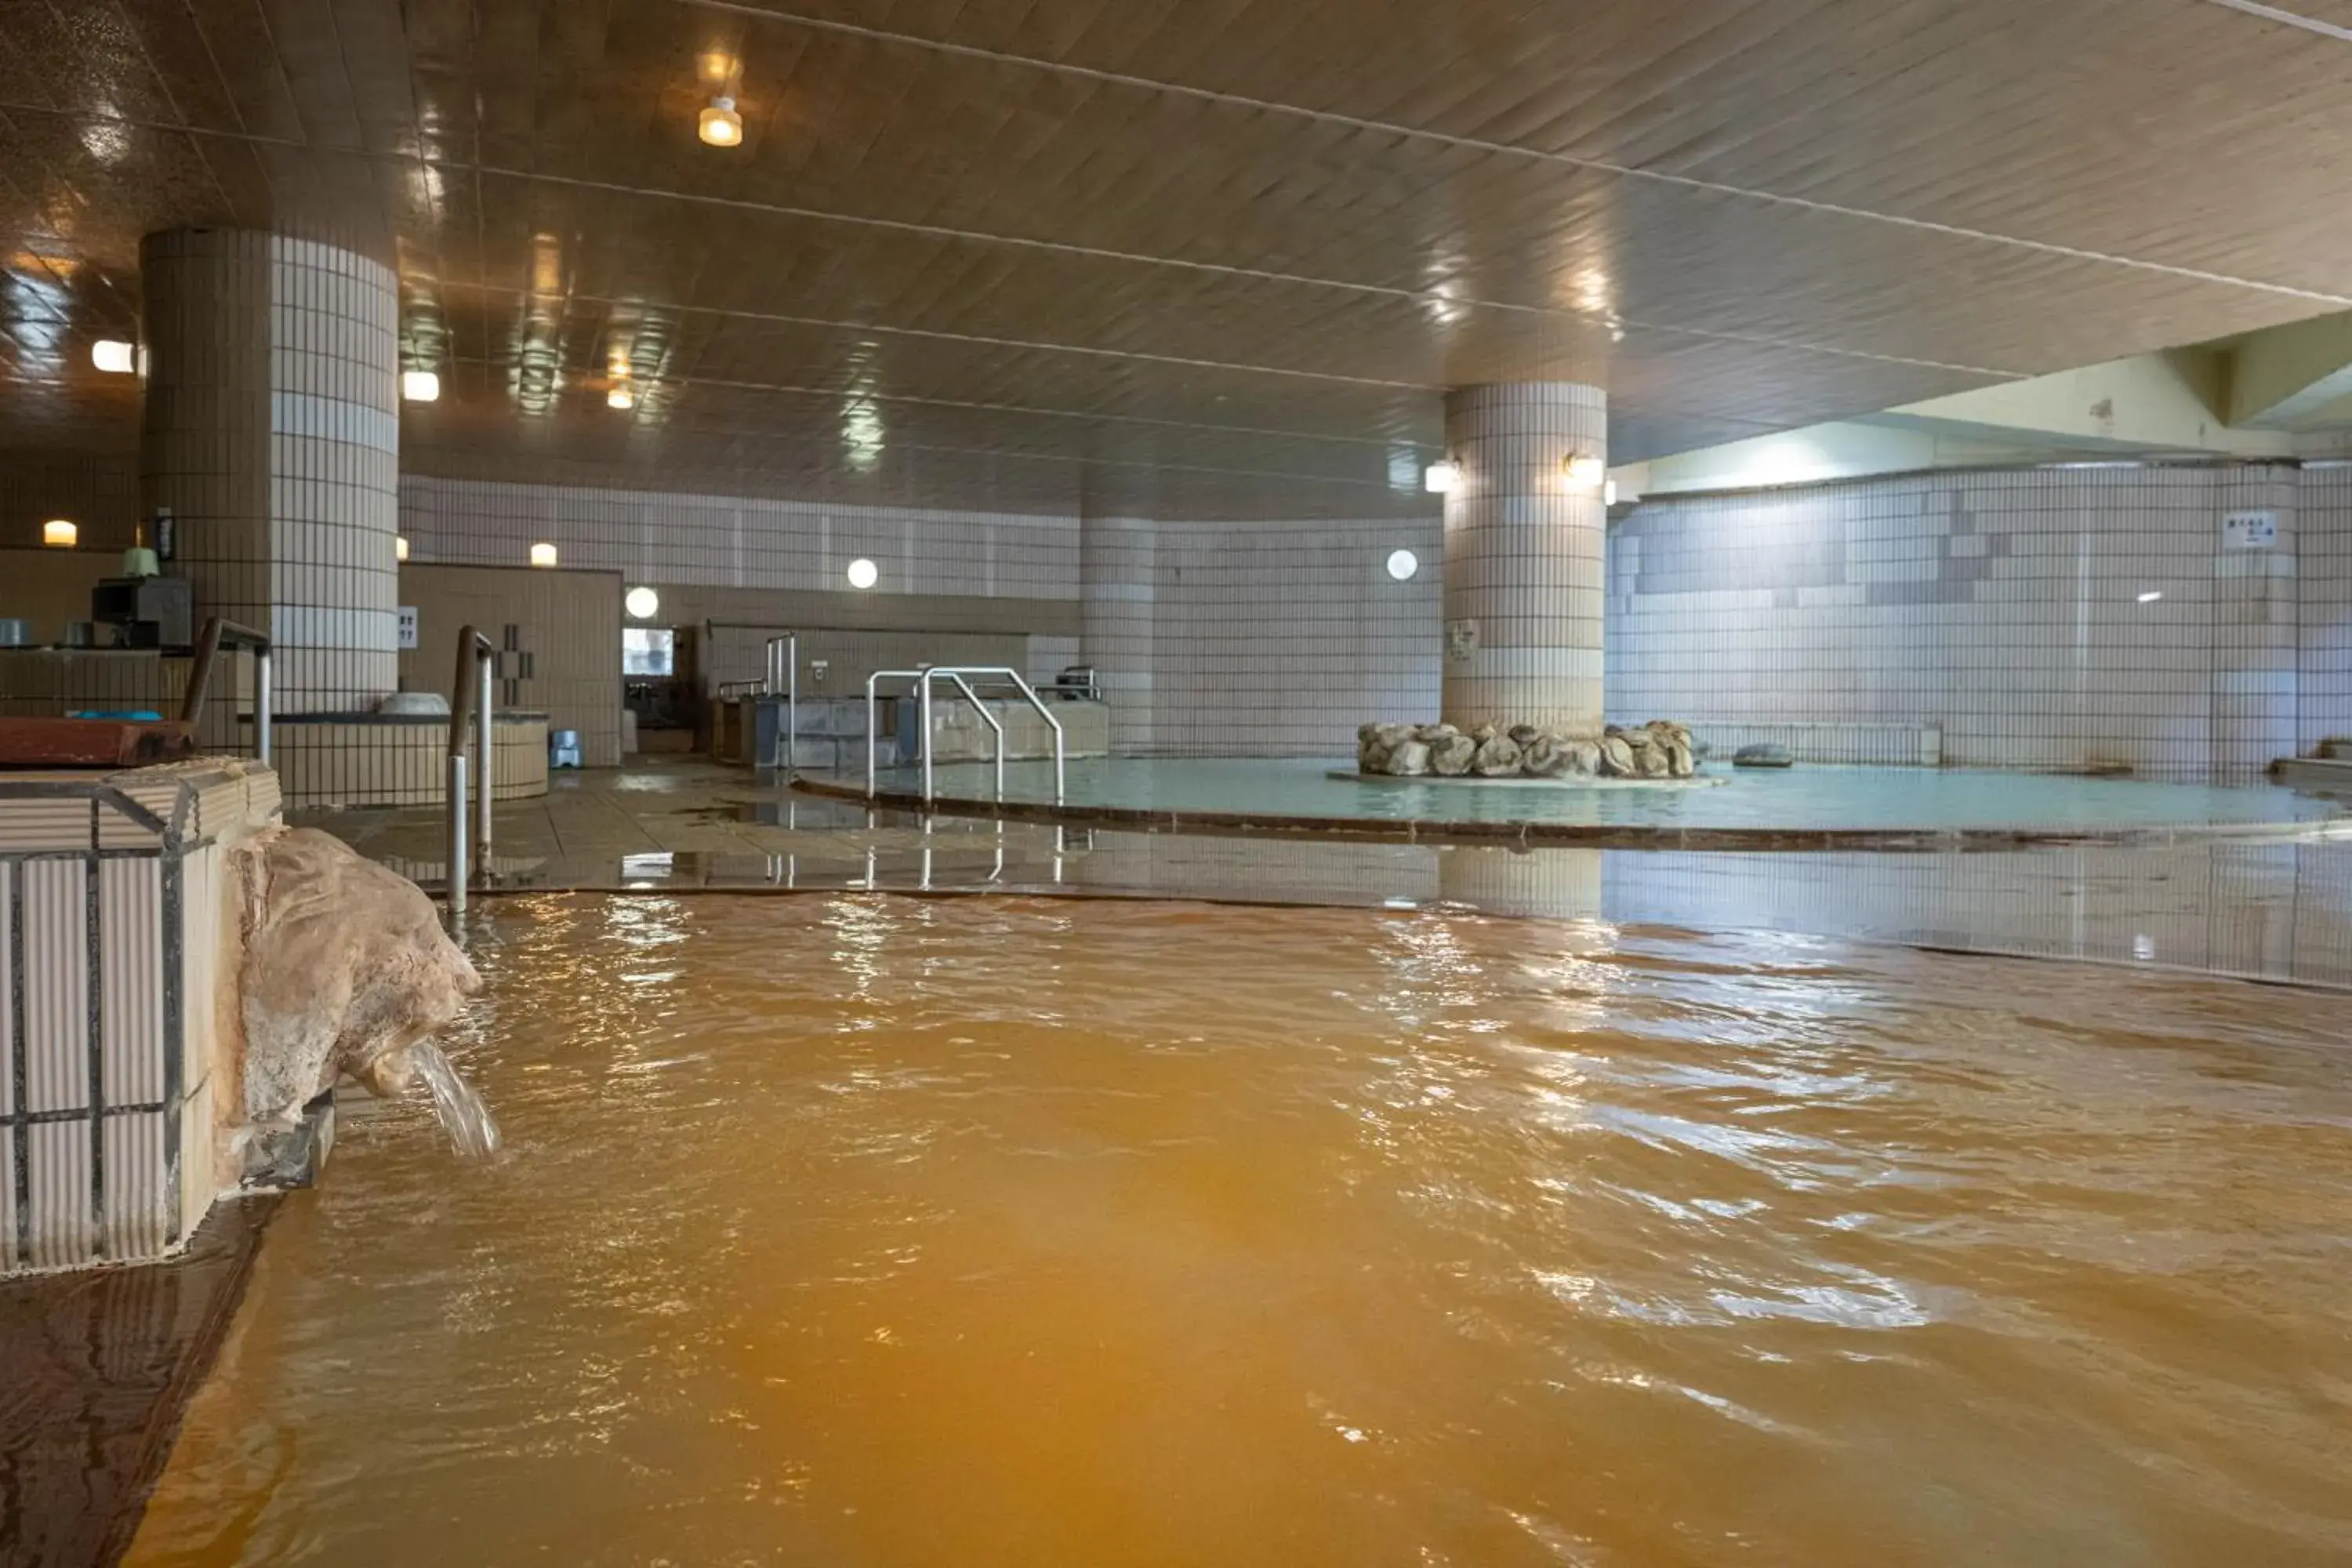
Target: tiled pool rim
(1582, 835)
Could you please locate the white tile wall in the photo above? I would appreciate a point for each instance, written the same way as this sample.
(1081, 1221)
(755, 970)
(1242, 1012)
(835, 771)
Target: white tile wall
(2003, 606)
(1279, 638)
(741, 542)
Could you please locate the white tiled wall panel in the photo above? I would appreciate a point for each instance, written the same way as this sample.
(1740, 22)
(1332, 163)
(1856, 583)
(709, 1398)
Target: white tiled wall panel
(2052, 618)
(1277, 639)
(739, 541)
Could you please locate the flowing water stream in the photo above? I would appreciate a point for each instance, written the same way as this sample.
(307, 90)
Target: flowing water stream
(472, 1131)
(876, 1233)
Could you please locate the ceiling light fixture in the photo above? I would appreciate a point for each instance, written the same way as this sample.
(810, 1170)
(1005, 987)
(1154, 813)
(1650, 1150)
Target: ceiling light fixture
(864, 574)
(1441, 479)
(722, 126)
(2151, 596)
(620, 398)
(59, 534)
(400, 547)
(1585, 472)
(114, 356)
(1402, 564)
(643, 602)
(543, 553)
(420, 386)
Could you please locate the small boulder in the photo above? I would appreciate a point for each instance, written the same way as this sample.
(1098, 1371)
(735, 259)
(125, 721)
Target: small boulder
(1680, 764)
(1583, 757)
(1409, 761)
(1764, 754)
(1616, 757)
(1498, 758)
(1451, 758)
(1544, 756)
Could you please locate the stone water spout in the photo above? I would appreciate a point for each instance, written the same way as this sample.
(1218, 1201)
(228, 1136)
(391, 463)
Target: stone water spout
(346, 972)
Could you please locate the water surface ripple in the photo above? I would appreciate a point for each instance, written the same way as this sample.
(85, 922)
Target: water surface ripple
(877, 1232)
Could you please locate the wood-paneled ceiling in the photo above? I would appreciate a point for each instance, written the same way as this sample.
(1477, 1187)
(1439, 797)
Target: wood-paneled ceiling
(1192, 256)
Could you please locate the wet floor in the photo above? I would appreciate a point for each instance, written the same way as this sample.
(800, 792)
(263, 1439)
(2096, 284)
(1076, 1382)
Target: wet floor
(880, 1232)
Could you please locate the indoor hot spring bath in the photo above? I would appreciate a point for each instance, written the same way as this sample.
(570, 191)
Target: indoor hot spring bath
(877, 1232)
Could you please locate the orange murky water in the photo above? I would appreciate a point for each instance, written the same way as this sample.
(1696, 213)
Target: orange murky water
(862, 1232)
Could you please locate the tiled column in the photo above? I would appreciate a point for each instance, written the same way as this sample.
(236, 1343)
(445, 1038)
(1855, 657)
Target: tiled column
(272, 432)
(1522, 556)
(1118, 560)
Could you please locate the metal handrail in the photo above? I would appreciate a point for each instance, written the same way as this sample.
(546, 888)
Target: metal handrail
(962, 675)
(781, 677)
(469, 702)
(218, 634)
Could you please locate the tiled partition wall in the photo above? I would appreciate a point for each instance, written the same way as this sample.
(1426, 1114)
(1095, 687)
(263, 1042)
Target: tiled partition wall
(2060, 618)
(1277, 639)
(739, 541)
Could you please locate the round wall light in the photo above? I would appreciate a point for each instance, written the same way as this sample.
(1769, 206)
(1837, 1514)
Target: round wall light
(59, 534)
(543, 553)
(114, 356)
(1402, 564)
(1441, 479)
(864, 574)
(643, 602)
(1585, 473)
(420, 386)
(399, 547)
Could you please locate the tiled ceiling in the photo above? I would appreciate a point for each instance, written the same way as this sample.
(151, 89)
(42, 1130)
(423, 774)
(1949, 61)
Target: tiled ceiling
(1196, 256)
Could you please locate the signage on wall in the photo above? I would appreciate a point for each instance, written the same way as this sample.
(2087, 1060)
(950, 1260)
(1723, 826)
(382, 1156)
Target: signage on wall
(1461, 638)
(2249, 530)
(407, 626)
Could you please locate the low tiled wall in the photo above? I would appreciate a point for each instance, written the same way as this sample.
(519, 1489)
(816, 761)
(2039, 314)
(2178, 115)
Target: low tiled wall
(380, 762)
(1883, 744)
(118, 1024)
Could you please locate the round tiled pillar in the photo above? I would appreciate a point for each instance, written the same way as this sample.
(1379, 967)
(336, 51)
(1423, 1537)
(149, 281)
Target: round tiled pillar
(1117, 559)
(1524, 547)
(272, 433)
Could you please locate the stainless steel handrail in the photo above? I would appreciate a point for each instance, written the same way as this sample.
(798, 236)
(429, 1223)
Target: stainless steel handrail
(962, 675)
(217, 635)
(784, 652)
(469, 702)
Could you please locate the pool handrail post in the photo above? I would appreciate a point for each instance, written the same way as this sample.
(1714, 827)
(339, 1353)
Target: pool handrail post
(469, 685)
(996, 728)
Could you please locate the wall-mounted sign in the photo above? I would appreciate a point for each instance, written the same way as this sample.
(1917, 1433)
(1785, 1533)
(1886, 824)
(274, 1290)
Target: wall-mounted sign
(407, 626)
(2249, 530)
(1461, 638)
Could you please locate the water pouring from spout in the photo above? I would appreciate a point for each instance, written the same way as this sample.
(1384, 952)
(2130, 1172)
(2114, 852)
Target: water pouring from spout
(473, 1132)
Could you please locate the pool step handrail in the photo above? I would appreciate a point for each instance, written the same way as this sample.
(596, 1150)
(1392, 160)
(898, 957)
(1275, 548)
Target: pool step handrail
(469, 701)
(964, 675)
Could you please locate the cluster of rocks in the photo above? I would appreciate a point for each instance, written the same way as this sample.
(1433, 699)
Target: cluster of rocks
(1658, 750)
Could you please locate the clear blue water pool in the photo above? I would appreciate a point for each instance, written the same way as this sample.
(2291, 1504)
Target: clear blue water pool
(1804, 798)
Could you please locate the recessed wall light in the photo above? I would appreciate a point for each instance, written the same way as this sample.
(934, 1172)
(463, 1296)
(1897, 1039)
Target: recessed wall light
(1402, 564)
(543, 553)
(1441, 479)
(1609, 492)
(114, 356)
(864, 574)
(1585, 472)
(620, 398)
(643, 602)
(420, 386)
(59, 534)
(722, 126)
(2151, 596)
(399, 547)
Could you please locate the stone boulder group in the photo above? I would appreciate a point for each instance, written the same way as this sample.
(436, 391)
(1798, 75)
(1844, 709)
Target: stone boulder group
(1658, 750)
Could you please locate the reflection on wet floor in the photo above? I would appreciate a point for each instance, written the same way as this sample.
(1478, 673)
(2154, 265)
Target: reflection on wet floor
(2263, 911)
